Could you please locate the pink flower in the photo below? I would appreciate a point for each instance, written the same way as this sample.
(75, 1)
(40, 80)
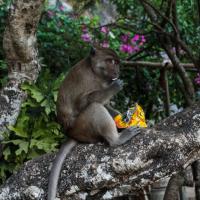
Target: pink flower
(84, 28)
(197, 79)
(174, 49)
(50, 13)
(143, 39)
(104, 29)
(126, 48)
(124, 38)
(135, 38)
(86, 37)
(61, 8)
(140, 44)
(105, 44)
(136, 48)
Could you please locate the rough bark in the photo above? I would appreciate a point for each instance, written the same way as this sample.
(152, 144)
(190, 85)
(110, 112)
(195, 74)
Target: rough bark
(101, 172)
(21, 55)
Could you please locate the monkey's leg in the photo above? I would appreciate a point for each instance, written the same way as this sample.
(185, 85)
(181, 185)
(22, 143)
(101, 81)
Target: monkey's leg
(126, 135)
(96, 122)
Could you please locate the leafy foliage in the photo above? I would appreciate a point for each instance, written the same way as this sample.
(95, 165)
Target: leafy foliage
(59, 40)
(36, 131)
(3, 66)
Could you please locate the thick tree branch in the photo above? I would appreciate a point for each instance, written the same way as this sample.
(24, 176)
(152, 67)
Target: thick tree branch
(102, 172)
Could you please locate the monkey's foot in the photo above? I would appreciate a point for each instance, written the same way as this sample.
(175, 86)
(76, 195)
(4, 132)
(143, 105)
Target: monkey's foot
(133, 130)
(127, 134)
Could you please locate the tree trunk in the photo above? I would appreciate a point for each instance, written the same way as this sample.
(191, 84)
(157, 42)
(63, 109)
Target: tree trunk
(22, 58)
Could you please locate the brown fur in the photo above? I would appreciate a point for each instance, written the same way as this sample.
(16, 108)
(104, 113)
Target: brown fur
(81, 106)
(83, 95)
(79, 82)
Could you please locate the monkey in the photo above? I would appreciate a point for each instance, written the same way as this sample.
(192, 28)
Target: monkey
(83, 106)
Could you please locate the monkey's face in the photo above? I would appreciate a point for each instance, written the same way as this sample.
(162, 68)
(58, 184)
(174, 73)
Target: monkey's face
(106, 65)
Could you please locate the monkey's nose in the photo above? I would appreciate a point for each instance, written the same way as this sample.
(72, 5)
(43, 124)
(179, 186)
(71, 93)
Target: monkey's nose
(115, 75)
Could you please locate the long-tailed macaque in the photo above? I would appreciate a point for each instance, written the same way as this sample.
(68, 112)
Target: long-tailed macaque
(81, 106)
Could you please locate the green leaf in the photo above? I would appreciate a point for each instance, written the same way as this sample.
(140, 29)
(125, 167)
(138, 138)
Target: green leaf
(46, 144)
(47, 110)
(33, 154)
(35, 92)
(15, 142)
(47, 107)
(37, 95)
(54, 127)
(55, 95)
(3, 169)
(39, 133)
(30, 103)
(6, 153)
(23, 147)
(18, 131)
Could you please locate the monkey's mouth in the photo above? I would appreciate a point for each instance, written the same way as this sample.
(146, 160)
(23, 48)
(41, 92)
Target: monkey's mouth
(114, 79)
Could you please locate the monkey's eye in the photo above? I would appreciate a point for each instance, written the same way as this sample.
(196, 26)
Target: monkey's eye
(112, 61)
(109, 61)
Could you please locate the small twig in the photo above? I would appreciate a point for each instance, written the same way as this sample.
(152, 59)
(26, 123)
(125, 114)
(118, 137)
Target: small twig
(139, 52)
(154, 64)
(165, 86)
(167, 14)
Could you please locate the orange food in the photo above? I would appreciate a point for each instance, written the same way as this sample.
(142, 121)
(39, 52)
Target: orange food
(134, 117)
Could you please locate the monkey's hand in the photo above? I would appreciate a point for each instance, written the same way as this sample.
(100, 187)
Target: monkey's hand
(102, 96)
(117, 85)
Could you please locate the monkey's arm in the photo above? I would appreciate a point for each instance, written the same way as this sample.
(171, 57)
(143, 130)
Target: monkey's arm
(103, 96)
(100, 96)
(113, 112)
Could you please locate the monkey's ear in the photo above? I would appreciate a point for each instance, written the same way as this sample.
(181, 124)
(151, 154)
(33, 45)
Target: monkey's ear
(92, 51)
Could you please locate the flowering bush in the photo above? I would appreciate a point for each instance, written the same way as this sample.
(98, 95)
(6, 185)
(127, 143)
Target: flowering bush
(197, 79)
(129, 43)
(132, 44)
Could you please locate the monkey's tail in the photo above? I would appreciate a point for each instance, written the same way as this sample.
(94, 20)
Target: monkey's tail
(56, 168)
